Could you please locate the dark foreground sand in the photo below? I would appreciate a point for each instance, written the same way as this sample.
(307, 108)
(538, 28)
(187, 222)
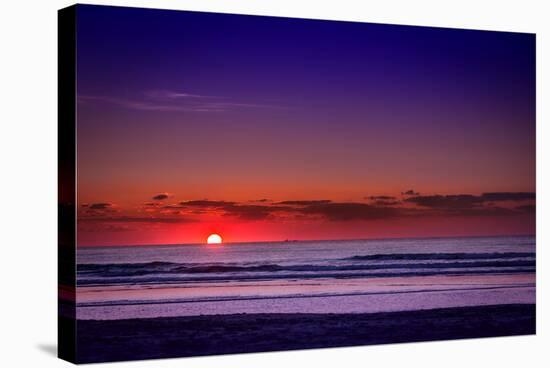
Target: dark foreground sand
(100, 341)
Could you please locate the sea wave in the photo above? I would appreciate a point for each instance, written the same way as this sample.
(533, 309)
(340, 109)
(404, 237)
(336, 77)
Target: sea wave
(436, 256)
(162, 279)
(131, 270)
(377, 265)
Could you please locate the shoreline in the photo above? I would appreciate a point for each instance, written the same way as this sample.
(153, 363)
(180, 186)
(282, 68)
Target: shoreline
(169, 337)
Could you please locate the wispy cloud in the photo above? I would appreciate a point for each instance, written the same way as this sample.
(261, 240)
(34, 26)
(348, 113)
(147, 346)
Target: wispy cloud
(176, 101)
(163, 94)
(139, 104)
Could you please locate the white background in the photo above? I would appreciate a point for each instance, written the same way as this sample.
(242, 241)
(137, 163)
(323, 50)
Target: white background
(28, 186)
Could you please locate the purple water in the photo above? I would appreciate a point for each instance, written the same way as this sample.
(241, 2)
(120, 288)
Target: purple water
(359, 276)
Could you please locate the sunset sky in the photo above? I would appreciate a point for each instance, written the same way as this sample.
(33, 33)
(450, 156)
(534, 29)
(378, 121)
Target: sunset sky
(266, 129)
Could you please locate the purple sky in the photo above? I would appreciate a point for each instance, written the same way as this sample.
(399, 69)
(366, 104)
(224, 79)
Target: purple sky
(240, 108)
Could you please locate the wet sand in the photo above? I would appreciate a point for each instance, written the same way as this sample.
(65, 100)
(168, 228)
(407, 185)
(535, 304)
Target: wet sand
(149, 338)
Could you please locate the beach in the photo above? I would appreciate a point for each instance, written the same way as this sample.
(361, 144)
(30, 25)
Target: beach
(150, 338)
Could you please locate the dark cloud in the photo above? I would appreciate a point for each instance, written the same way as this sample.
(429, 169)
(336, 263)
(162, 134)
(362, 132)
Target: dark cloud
(379, 207)
(151, 204)
(529, 208)
(410, 192)
(453, 201)
(385, 203)
(242, 211)
(472, 205)
(100, 206)
(305, 202)
(325, 208)
(205, 203)
(349, 211)
(101, 228)
(173, 207)
(381, 198)
(480, 211)
(161, 197)
(130, 219)
(508, 196)
(198, 212)
(250, 212)
(462, 201)
(263, 200)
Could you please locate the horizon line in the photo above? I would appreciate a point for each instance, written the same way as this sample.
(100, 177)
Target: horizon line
(304, 241)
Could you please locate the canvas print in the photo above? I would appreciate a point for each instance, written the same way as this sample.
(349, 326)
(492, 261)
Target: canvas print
(247, 184)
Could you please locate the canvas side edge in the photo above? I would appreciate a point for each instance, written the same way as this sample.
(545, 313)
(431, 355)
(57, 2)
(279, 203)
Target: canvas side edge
(67, 184)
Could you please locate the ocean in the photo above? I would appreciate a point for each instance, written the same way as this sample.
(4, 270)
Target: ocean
(336, 276)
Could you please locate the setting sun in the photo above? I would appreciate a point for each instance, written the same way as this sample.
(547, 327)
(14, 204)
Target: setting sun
(214, 239)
